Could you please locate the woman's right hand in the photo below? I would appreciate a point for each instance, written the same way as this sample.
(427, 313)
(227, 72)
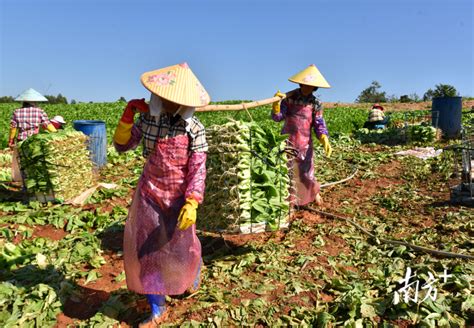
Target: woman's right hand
(139, 105)
(134, 106)
(276, 105)
(123, 132)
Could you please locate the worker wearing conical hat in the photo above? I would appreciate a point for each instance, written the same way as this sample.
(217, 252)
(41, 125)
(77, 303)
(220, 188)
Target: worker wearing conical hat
(25, 122)
(162, 254)
(301, 113)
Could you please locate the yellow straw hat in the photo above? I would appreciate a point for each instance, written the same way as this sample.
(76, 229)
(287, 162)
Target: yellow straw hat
(310, 76)
(177, 84)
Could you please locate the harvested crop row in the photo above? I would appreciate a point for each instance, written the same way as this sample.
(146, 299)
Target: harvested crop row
(393, 136)
(56, 164)
(247, 179)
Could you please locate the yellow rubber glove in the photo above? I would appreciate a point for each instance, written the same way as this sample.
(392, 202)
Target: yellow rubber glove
(325, 142)
(11, 138)
(187, 216)
(123, 133)
(276, 105)
(51, 128)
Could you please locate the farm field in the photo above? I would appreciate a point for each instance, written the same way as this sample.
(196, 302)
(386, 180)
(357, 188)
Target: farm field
(61, 265)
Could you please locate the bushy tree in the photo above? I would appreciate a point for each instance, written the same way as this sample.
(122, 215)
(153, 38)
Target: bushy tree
(441, 90)
(59, 99)
(372, 94)
(405, 99)
(7, 99)
(413, 97)
(122, 99)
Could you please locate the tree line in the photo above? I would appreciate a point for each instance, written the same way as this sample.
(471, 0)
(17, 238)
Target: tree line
(373, 94)
(59, 99)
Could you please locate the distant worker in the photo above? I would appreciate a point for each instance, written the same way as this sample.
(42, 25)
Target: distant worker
(303, 112)
(28, 119)
(376, 119)
(58, 122)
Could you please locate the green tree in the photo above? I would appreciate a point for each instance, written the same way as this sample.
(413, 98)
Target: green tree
(59, 99)
(428, 95)
(413, 97)
(372, 94)
(7, 99)
(122, 99)
(441, 90)
(405, 99)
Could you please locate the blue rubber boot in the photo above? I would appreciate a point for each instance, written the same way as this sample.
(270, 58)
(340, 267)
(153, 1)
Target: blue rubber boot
(158, 311)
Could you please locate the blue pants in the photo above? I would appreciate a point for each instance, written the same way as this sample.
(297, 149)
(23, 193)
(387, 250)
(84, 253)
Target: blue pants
(157, 304)
(374, 125)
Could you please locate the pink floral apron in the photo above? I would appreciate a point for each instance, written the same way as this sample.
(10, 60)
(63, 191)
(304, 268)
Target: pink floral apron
(298, 124)
(158, 257)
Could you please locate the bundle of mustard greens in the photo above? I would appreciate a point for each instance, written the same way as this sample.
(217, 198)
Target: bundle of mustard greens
(56, 164)
(247, 179)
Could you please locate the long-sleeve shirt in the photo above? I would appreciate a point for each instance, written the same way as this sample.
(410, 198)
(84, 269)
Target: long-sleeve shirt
(28, 121)
(376, 115)
(151, 128)
(318, 124)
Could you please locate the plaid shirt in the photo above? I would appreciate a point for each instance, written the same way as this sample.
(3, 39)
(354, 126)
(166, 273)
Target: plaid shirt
(298, 99)
(153, 128)
(376, 115)
(28, 121)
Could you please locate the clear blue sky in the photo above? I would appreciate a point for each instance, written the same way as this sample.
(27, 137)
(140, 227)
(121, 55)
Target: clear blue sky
(97, 50)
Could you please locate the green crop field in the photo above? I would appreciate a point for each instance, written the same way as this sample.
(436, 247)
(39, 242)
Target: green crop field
(62, 264)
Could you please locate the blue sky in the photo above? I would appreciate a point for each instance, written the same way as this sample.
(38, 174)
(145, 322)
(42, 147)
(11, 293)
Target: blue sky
(97, 50)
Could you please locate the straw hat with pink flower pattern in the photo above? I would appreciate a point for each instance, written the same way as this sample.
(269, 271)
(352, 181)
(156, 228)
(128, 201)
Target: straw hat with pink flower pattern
(177, 84)
(310, 76)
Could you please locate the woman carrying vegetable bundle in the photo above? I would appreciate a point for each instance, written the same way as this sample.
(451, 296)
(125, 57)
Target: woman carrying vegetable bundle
(301, 112)
(26, 121)
(162, 254)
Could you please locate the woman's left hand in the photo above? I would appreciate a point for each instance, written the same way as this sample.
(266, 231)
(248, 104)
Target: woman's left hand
(326, 145)
(187, 216)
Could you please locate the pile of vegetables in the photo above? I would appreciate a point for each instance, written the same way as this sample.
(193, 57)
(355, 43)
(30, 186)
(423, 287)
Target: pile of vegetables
(247, 179)
(423, 133)
(394, 135)
(57, 166)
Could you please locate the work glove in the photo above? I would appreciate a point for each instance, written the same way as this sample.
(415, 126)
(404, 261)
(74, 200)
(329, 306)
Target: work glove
(11, 137)
(325, 142)
(123, 132)
(276, 105)
(187, 216)
(51, 128)
(134, 106)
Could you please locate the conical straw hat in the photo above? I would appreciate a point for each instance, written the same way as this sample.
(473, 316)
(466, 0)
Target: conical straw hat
(310, 76)
(177, 84)
(31, 95)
